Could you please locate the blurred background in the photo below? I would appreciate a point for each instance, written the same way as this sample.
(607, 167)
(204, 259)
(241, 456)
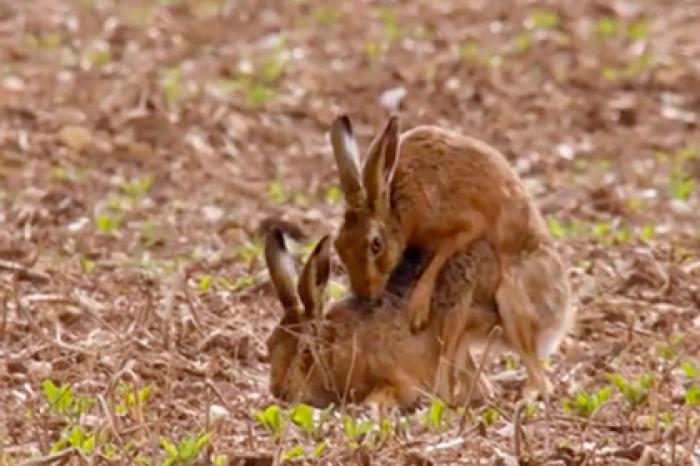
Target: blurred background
(143, 142)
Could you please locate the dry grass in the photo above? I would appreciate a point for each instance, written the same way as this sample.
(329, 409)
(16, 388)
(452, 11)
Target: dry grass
(142, 143)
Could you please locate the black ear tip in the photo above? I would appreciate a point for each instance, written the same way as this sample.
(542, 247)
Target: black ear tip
(276, 238)
(344, 120)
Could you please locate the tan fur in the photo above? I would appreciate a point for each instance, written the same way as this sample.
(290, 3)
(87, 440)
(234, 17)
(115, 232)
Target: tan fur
(367, 352)
(441, 191)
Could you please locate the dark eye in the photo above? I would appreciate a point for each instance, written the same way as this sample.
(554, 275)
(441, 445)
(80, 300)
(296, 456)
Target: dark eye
(376, 246)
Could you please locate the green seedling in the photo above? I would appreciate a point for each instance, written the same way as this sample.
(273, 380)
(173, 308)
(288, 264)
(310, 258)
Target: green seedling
(241, 283)
(220, 460)
(108, 224)
(78, 438)
(637, 30)
(204, 283)
(302, 415)
(326, 15)
(131, 398)
(184, 452)
(586, 404)
(171, 83)
(69, 175)
(690, 369)
(60, 398)
(319, 449)
(249, 251)
(149, 234)
(277, 193)
(469, 51)
(634, 392)
(692, 396)
(356, 431)
(647, 232)
(137, 189)
(522, 42)
(392, 28)
(668, 351)
(606, 27)
(336, 290)
(544, 19)
(490, 416)
(292, 453)
(437, 416)
(272, 420)
(87, 265)
(309, 419)
(333, 195)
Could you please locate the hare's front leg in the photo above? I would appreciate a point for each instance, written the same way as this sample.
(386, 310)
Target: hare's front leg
(419, 304)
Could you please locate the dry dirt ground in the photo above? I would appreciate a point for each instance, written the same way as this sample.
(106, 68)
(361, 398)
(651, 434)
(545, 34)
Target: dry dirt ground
(142, 143)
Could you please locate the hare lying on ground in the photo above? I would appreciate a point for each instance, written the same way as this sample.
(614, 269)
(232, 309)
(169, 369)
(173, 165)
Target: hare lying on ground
(362, 352)
(440, 191)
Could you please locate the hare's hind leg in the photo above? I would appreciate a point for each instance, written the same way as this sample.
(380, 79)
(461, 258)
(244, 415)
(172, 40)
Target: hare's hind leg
(521, 326)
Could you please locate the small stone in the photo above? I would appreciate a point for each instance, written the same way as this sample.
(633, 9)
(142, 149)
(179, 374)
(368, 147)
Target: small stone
(39, 370)
(75, 137)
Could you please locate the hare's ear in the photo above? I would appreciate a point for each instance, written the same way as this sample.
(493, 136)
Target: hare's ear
(378, 171)
(347, 159)
(314, 278)
(280, 264)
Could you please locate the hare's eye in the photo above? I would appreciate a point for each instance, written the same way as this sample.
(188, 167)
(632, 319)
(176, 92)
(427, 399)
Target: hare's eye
(376, 246)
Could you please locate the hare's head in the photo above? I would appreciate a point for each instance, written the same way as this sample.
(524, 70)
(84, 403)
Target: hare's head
(369, 242)
(290, 345)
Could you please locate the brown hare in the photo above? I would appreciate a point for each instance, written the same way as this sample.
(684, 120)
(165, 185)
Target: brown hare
(440, 191)
(359, 351)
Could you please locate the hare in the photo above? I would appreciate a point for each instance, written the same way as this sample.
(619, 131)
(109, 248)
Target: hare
(440, 191)
(359, 351)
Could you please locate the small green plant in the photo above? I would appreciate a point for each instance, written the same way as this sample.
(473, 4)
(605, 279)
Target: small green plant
(131, 398)
(249, 251)
(184, 452)
(335, 290)
(490, 416)
(204, 283)
(690, 369)
(137, 189)
(544, 19)
(326, 15)
(437, 416)
(637, 30)
(333, 195)
(606, 27)
(668, 351)
(108, 224)
(302, 415)
(356, 431)
(171, 83)
(647, 232)
(60, 398)
(292, 453)
(76, 437)
(586, 404)
(692, 396)
(277, 193)
(272, 419)
(149, 235)
(634, 392)
(469, 51)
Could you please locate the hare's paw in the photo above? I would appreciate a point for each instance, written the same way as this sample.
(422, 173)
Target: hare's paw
(419, 308)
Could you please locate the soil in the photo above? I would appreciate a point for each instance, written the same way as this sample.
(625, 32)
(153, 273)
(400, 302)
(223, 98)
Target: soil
(144, 143)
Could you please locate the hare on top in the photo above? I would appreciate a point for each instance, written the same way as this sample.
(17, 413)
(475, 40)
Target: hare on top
(440, 191)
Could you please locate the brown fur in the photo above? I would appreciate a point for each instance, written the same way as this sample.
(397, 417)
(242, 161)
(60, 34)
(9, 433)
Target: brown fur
(441, 191)
(360, 351)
